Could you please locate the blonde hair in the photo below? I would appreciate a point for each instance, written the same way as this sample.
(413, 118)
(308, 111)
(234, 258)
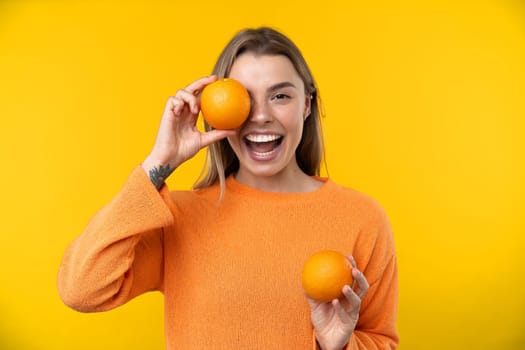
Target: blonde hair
(221, 161)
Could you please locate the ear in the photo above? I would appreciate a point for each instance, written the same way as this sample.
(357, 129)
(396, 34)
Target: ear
(307, 107)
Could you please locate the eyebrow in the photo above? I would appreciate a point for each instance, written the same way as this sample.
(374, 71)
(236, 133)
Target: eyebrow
(278, 86)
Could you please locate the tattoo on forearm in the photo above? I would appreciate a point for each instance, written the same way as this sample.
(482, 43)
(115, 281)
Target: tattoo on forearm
(159, 174)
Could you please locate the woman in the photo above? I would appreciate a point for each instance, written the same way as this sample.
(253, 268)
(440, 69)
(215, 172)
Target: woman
(228, 255)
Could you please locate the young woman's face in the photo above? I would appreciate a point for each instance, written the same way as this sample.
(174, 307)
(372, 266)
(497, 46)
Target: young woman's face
(265, 145)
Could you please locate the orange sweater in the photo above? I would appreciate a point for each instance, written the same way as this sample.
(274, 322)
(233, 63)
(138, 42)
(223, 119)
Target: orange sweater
(231, 272)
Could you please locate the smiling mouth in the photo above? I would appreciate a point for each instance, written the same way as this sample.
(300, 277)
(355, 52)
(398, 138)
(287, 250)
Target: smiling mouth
(262, 144)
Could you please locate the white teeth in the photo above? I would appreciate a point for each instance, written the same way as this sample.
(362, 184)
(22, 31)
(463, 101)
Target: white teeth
(262, 138)
(263, 154)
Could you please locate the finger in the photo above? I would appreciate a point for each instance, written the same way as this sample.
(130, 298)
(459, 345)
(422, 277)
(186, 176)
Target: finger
(215, 135)
(174, 105)
(351, 260)
(343, 315)
(188, 98)
(314, 304)
(189, 94)
(354, 301)
(361, 282)
(195, 87)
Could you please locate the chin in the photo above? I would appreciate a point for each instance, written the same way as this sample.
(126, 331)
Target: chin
(271, 169)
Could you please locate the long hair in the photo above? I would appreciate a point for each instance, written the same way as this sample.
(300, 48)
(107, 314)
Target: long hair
(221, 161)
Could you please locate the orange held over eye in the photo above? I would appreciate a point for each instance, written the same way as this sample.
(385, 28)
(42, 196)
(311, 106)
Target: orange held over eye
(325, 274)
(225, 104)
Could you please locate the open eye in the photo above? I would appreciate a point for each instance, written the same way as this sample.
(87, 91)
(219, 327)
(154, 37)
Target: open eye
(280, 96)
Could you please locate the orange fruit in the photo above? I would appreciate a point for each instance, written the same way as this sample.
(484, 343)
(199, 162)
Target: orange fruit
(325, 274)
(225, 104)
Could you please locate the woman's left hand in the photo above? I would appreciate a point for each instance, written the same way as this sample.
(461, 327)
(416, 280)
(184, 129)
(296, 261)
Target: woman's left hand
(335, 321)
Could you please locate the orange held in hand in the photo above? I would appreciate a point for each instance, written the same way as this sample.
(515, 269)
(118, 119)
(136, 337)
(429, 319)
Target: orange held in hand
(325, 274)
(225, 104)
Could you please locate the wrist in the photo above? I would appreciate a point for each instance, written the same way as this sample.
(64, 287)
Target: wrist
(318, 347)
(157, 171)
(328, 345)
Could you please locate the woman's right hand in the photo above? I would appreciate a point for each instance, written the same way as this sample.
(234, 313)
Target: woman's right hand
(178, 138)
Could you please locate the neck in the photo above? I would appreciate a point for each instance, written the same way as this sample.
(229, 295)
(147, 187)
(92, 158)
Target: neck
(287, 181)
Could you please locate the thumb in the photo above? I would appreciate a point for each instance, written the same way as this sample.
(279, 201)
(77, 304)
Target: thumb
(312, 302)
(215, 135)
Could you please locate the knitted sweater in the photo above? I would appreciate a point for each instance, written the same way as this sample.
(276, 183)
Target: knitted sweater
(230, 271)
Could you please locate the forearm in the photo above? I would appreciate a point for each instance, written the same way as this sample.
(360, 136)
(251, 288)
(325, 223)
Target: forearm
(103, 267)
(158, 170)
(94, 277)
(376, 328)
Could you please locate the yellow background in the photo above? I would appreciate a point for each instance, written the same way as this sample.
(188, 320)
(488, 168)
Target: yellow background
(425, 111)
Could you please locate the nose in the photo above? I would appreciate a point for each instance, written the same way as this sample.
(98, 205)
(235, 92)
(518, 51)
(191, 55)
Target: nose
(260, 113)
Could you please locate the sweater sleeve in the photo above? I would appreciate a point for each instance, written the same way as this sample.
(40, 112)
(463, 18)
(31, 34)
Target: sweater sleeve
(120, 253)
(376, 328)
(379, 332)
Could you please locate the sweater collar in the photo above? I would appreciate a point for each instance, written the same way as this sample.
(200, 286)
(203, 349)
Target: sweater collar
(233, 186)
